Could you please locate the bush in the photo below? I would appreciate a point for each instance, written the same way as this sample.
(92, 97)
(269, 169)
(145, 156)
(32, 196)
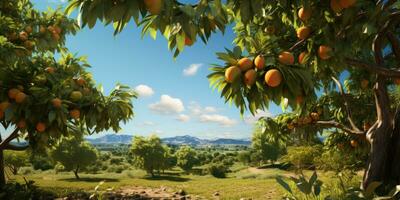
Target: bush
(217, 170)
(244, 157)
(105, 156)
(335, 160)
(59, 168)
(41, 162)
(116, 168)
(26, 170)
(116, 160)
(96, 167)
(17, 191)
(302, 157)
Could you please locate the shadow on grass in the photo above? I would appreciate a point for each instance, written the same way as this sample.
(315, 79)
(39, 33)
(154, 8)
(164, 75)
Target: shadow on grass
(167, 178)
(89, 179)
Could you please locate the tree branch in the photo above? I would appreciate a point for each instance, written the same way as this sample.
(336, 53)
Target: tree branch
(374, 68)
(346, 105)
(6, 141)
(340, 126)
(394, 41)
(297, 44)
(381, 95)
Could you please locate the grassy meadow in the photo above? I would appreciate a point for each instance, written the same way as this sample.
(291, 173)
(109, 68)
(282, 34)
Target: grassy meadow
(243, 182)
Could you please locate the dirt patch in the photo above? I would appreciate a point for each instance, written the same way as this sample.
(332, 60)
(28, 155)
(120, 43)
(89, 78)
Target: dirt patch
(140, 193)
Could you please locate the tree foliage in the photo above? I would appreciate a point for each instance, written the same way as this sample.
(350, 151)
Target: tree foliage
(186, 158)
(268, 149)
(150, 154)
(348, 52)
(14, 160)
(41, 95)
(74, 154)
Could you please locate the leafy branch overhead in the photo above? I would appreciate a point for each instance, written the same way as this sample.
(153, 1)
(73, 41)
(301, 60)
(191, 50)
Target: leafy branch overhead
(44, 98)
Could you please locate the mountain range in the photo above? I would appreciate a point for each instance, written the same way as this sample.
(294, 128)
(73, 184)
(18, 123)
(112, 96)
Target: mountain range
(177, 140)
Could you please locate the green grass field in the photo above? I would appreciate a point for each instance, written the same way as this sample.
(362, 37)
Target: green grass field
(242, 183)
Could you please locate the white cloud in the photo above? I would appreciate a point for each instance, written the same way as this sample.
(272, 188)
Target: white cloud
(196, 109)
(210, 109)
(250, 119)
(183, 118)
(167, 105)
(191, 70)
(144, 90)
(219, 119)
(148, 123)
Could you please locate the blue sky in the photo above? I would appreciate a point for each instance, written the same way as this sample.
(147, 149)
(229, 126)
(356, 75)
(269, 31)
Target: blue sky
(175, 95)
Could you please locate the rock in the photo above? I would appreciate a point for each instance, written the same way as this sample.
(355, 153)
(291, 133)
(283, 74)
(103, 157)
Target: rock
(181, 192)
(216, 194)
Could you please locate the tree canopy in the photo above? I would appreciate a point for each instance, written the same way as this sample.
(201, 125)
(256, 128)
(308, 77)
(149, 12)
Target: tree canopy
(44, 97)
(333, 39)
(149, 153)
(74, 154)
(186, 157)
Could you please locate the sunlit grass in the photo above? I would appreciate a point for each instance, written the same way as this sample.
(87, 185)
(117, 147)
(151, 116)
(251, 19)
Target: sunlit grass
(244, 183)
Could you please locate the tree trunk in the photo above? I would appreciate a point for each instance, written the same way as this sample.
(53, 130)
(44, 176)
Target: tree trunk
(76, 172)
(378, 158)
(379, 136)
(2, 174)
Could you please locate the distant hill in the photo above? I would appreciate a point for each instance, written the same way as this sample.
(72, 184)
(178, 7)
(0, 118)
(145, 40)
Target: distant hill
(177, 140)
(111, 139)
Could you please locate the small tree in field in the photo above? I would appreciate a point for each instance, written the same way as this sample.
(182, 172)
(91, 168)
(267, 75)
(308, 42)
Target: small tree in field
(266, 147)
(43, 99)
(149, 153)
(244, 157)
(186, 158)
(14, 160)
(74, 154)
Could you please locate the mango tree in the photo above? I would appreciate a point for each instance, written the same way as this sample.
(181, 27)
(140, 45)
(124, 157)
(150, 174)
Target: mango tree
(41, 98)
(330, 39)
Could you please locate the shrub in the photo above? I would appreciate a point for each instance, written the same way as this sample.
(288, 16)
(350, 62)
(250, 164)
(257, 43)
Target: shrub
(336, 161)
(59, 168)
(116, 168)
(105, 156)
(116, 160)
(41, 162)
(244, 157)
(95, 168)
(17, 191)
(26, 170)
(302, 157)
(217, 170)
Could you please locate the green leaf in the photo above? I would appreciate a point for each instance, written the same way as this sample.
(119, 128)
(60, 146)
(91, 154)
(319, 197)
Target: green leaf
(52, 116)
(283, 184)
(313, 178)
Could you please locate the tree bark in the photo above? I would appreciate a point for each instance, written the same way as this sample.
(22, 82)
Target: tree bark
(76, 172)
(2, 175)
(393, 171)
(2, 172)
(380, 134)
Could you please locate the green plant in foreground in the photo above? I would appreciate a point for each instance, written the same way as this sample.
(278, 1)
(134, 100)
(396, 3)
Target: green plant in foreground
(98, 193)
(311, 189)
